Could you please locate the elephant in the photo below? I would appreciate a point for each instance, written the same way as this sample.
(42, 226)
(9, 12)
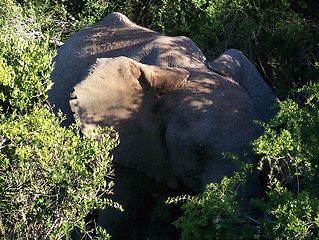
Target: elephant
(176, 114)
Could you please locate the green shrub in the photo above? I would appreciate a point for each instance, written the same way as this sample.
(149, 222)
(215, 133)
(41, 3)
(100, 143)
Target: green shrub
(15, 21)
(215, 214)
(50, 177)
(24, 73)
(24, 60)
(61, 18)
(290, 155)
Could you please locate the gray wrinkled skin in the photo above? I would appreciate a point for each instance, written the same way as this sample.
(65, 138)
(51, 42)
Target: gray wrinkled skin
(175, 112)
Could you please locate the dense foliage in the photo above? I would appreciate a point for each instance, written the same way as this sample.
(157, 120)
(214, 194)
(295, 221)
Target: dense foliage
(215, 214)
(50, 177)
(290, 155)
(42, 164)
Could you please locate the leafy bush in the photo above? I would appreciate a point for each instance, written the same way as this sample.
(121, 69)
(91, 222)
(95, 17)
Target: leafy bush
(14, 20)
(290, 154)
(61, 18)
(215, 214)
(24, 73)
(24, 60)
(50, 177)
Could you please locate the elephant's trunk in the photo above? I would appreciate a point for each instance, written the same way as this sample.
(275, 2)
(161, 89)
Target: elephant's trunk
(246, 190)
(249, 191)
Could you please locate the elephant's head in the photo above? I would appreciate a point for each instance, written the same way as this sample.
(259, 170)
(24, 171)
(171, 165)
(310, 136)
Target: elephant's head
(176, 123)
(126, 94)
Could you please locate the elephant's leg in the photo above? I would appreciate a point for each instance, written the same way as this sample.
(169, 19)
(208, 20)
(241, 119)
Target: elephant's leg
(249, 191)
(132, 191)
(117, 223)
(143, 209)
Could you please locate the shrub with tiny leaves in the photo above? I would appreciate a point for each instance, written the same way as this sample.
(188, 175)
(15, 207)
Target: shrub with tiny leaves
(51, 177)
(215, 214)
(290, 155)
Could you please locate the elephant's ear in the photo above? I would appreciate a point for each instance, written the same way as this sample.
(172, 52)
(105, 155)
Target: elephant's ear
(233, 64)
(123, 93)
